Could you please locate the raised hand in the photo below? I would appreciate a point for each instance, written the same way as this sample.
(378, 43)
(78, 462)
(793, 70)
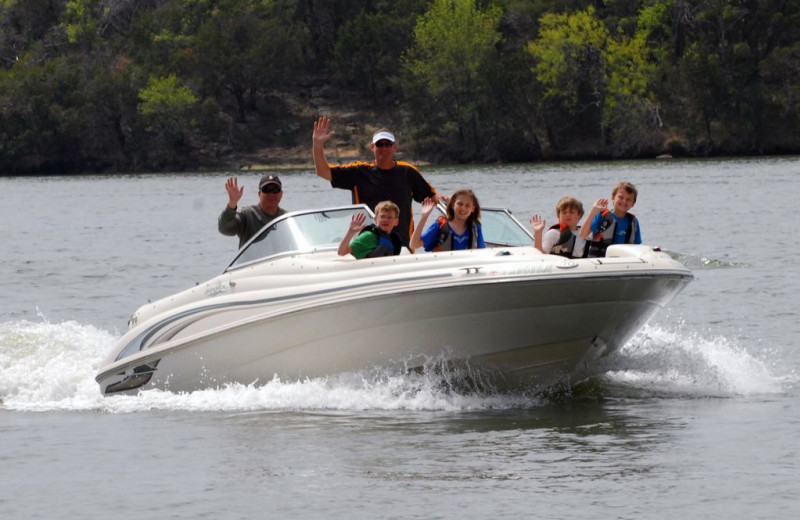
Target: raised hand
(601, 204)
(427, 206)
(234, 192)
(322, 130)
(357, 222)
(538, 223)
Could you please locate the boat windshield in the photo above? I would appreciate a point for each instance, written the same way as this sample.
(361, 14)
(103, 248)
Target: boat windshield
(299, 232)
(500, 228)
(318, 230)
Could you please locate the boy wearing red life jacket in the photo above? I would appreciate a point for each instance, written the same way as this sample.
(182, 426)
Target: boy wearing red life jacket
(616, 226)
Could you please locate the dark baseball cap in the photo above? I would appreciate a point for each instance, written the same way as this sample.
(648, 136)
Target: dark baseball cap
(270, 179)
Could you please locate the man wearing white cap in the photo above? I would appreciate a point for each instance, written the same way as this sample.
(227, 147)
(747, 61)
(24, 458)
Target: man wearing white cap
(373, 182)
(249, 221)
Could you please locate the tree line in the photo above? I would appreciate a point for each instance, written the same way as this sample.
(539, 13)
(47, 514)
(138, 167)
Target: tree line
(151, 85)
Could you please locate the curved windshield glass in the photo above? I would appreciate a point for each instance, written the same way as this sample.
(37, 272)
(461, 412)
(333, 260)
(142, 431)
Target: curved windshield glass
(500, 228)
(300, 232)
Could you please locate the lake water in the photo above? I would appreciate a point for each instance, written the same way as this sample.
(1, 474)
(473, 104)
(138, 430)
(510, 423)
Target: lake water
(697, 416)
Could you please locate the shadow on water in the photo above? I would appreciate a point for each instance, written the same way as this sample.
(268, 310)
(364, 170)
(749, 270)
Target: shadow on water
(567, 417)
(456, 378)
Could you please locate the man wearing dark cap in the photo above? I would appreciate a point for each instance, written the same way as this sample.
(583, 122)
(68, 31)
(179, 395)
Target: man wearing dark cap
(373, 182)
(248, 221)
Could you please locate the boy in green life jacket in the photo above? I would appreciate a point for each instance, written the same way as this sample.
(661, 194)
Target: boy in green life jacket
(374, 240)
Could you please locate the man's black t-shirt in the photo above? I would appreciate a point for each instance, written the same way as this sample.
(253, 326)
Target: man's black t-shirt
(371, 185)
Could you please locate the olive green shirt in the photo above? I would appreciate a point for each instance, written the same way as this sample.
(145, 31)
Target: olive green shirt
(244, 223)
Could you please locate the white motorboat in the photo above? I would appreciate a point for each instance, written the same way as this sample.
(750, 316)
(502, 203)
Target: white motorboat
(289, 306)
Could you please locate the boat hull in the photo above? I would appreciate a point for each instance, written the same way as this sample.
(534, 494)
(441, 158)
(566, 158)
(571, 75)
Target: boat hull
(531, 329)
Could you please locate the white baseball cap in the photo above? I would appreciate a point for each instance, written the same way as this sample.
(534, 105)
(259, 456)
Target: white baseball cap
(383, 135)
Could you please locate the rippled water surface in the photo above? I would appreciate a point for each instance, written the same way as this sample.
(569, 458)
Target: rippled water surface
(697, 416)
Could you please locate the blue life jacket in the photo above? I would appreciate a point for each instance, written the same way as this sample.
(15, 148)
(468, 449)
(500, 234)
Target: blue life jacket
(605, 234)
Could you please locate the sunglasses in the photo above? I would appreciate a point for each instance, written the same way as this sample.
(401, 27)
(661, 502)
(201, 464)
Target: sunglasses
(384, 144)
(271, 188)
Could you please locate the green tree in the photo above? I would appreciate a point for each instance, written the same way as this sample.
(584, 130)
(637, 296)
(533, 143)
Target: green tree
(81, 21)
(244, 47)
(569, 56)
(24, 24)
(167, 107)
(322, 20)
(732, 91)
(631, 118)
(369, 47)
(454, 42)
(780, 70)
(597, 81)
(42, 116)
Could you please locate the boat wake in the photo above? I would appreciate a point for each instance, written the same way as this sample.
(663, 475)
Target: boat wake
(699, 263)
(51, 367)
(664, 363)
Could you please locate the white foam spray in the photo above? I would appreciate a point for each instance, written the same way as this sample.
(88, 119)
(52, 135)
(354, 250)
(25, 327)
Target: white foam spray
(678, 362)
(51, 367)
